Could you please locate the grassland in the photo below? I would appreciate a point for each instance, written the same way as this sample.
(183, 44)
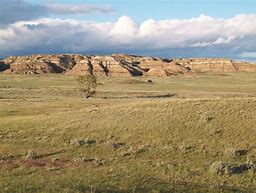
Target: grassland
(141, 142)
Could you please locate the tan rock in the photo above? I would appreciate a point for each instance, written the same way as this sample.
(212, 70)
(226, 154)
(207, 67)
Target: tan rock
(119, 65)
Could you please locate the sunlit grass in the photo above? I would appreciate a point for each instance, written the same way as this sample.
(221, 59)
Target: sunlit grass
(207, 115)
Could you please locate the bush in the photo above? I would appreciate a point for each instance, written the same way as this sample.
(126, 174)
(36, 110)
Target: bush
(87, 84)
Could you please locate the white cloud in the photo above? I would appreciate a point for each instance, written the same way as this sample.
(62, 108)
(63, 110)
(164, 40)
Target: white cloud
(77, 8)
(220, 41)
(200, 44)
(248, 55)
(209, 35)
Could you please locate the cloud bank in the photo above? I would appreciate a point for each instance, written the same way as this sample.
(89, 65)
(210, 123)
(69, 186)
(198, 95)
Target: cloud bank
(200, 36)
(17, 10)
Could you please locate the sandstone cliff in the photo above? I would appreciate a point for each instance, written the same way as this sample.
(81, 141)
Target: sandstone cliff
(118, 65)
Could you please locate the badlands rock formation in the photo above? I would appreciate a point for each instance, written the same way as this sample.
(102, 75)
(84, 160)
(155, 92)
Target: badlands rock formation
(118, 65)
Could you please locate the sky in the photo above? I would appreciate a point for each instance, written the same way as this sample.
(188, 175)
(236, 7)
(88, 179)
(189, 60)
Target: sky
(164, 28)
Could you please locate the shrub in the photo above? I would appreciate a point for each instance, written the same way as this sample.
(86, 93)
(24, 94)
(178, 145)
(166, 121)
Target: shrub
(87, 84)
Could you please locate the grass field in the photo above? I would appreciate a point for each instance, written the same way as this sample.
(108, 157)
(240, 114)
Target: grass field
(130, 137)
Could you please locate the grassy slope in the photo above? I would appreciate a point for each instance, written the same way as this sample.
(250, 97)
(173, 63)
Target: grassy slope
(43, 113)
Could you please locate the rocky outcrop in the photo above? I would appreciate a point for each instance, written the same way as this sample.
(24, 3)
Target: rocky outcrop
(38, 64)
(222, 168)
(244, 66)
(216, 65)
(119, 65)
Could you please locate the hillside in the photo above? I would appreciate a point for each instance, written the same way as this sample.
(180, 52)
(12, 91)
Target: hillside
(119, 65)
(127, 138)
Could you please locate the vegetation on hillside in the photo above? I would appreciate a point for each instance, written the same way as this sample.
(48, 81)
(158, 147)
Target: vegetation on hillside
(52, 140)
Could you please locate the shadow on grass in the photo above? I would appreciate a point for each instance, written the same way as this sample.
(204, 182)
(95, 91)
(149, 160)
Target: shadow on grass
(149, 187)
(134, 96)
(178, 188)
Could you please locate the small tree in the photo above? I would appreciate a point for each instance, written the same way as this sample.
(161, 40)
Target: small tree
(87, 84)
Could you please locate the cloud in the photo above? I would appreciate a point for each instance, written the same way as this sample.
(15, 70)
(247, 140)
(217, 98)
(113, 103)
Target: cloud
(17, 10)
(200, 36)
(12, 11)
(77, 8)
(248, 55)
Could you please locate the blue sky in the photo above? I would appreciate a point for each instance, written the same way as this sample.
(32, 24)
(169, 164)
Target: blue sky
(141, 10)
(166, 28)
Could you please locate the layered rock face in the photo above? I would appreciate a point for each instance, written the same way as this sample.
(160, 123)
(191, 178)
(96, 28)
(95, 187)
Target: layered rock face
(37, 64)
(217, 65)
(119, 65)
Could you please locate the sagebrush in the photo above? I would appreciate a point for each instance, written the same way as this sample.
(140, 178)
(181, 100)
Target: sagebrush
(87, 84)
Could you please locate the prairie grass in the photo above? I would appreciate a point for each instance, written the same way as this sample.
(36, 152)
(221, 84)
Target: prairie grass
(165, 144)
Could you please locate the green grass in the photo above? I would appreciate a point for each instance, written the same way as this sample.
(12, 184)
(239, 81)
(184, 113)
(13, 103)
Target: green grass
(208, 114)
